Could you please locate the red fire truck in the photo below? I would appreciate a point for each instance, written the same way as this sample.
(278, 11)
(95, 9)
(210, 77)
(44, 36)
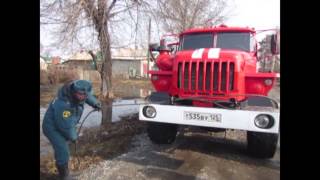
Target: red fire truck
(210, 80)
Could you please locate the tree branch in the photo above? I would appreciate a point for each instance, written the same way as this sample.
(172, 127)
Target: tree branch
(110, 7)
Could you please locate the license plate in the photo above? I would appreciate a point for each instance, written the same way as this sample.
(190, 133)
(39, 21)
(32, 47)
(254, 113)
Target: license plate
(202, 116)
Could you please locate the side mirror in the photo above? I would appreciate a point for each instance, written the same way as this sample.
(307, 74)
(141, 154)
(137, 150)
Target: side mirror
(164, 46)
(275, 45)
(154, 47)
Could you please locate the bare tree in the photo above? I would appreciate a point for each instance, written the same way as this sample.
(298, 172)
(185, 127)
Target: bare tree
(178, 15)
(73, 18)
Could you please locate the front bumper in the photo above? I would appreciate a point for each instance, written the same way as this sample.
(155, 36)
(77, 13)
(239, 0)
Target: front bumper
(230, 119)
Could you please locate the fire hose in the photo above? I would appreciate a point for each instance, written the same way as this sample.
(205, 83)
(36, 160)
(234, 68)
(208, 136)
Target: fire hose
(79, 130)
(84, 119)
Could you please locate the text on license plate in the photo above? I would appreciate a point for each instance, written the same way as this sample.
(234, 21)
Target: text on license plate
(202, 116)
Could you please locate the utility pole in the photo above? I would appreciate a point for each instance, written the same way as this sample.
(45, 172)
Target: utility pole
(274, 57)
(148, 53)
(273, 63)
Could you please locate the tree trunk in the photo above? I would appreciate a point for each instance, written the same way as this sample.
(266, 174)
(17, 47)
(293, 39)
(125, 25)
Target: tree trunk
(106, 112)
(106, 75)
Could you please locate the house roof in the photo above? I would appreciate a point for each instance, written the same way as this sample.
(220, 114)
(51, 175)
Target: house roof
(119, 54)
(81, 56)
(129, 54)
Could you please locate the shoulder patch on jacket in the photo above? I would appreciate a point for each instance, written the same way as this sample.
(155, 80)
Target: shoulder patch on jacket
(66, 114)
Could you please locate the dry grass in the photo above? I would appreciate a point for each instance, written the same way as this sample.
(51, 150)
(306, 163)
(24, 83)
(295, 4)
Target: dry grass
(55, 76)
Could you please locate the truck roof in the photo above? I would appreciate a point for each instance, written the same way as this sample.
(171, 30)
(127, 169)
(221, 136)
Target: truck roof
(220, 28)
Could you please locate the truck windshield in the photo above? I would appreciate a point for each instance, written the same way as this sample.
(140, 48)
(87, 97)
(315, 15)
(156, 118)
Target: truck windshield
(196, 41)
(234, 40)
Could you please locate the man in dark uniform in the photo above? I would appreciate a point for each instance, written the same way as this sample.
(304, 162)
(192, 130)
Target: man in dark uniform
(64, 112)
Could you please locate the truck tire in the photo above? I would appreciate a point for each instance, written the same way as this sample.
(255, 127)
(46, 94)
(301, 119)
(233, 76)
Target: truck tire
(261, 145)
(162, 133)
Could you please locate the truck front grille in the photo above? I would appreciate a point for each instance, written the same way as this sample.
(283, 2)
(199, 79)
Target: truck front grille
(206, 77)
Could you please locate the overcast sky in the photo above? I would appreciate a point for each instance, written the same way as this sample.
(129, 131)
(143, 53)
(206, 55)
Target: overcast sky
(260, 14)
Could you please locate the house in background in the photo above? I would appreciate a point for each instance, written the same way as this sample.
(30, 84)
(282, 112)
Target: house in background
(80, 60)
(55, 60)
(46, 59)
(128, 62)
(43, 64)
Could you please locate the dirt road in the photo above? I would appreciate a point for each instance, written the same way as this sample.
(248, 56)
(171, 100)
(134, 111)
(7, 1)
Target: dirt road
(192, 156)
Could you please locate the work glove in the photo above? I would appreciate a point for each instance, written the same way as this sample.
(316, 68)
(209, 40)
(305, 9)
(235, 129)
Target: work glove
(97, 106)
(74, 138)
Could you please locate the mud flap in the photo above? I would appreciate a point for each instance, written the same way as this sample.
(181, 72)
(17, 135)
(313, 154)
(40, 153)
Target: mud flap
(262, 145)
(162, 133)
(259, 101)
(159, 98)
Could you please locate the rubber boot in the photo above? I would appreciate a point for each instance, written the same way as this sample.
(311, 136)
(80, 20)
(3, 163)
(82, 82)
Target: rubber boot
(64, 172)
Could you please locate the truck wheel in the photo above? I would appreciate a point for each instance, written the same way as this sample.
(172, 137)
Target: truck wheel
(262, 145)
(162, 133)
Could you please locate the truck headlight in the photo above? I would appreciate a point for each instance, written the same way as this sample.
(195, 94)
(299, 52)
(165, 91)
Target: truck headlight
(149, 111)
(264, 121)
